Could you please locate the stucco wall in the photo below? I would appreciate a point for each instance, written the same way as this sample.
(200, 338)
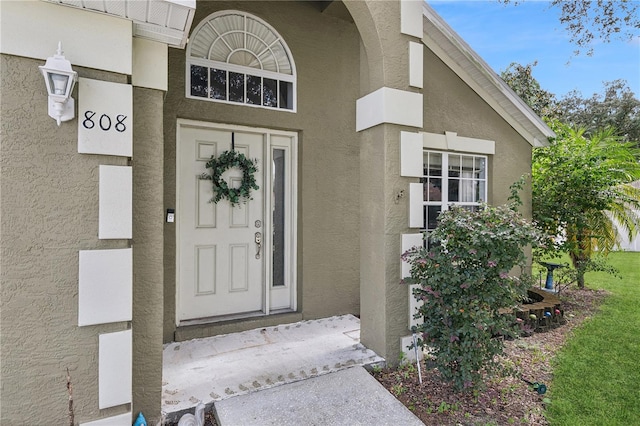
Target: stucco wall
(326, 53)
(148, 218)
(48, 212)
(383, 221)
(383, 214)
(450, 105)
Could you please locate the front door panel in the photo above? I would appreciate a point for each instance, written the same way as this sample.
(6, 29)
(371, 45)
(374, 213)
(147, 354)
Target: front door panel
(220, 259)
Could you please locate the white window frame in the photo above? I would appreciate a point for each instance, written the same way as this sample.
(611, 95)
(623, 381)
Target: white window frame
(444, 203)
(229, 67)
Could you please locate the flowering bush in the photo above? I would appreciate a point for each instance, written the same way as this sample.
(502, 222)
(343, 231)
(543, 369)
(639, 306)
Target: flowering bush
(466, 285)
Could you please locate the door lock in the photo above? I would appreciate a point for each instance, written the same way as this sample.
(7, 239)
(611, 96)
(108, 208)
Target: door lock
(258, 240)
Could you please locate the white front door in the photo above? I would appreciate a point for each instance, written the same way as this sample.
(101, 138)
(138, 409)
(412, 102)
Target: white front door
(223, 265)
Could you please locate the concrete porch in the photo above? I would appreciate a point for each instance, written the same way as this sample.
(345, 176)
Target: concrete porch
(220, 367)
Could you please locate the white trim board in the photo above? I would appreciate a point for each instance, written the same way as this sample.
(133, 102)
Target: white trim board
(413, 144)
(115, 206)
(115, 369)
(119, 420)
(450, 141)
(411, 158)
(416, 64)
(411, 18)
(105, 289)
(27, 28)
(387, 105)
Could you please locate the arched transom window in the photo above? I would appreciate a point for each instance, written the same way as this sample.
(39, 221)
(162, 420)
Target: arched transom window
(235, 57)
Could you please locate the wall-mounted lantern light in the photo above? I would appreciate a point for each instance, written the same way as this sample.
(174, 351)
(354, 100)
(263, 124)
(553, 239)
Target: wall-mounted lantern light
(60, 79)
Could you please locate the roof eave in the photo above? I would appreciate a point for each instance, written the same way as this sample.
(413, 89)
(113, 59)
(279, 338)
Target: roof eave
(440, 38)
(164, 21)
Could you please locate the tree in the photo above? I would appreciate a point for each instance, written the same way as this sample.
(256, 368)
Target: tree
(616, 107)
(582, 192)
(603, 20)
(582, 188)
(520, 79)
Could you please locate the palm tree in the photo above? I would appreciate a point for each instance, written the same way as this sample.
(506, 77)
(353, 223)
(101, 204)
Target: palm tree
(582, 189)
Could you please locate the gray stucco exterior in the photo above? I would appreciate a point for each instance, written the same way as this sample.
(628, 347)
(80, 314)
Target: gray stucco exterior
(449, 99)
(350, 216)
(49, 199)
(326, 51)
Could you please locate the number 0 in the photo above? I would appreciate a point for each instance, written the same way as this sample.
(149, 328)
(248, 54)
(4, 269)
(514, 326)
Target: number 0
(105, 128)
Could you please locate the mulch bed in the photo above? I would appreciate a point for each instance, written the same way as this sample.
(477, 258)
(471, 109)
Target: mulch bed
(506, 400)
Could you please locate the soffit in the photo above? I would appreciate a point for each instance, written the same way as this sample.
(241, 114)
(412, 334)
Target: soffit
(164, 21)
(337, 9)
(473, 70)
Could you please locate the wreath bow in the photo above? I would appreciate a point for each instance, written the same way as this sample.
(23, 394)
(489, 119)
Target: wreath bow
(228, 160)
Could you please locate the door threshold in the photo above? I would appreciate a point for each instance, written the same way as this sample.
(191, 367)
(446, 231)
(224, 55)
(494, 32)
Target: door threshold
(231, 317)
(221, 318)
(225, 324)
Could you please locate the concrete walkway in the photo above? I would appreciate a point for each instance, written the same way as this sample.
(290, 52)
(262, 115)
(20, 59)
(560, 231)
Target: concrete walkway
(349, 397)
(308, 373)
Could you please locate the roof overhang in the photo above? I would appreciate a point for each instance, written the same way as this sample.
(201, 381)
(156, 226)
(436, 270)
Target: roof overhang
(442, 40)
(164, 21)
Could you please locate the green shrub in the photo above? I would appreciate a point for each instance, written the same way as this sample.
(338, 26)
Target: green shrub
(465, 282)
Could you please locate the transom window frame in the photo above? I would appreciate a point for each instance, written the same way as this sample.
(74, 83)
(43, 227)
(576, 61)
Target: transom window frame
(241, 69)
(444, 203)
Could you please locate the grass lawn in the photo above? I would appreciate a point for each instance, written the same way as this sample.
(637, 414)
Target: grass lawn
(597, 373)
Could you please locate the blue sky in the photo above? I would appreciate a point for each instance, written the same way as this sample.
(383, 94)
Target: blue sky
(531, 31)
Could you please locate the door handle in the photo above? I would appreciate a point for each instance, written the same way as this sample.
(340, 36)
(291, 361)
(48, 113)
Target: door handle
(258, 240)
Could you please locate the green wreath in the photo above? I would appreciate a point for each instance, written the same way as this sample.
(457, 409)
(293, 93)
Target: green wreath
(228, 160)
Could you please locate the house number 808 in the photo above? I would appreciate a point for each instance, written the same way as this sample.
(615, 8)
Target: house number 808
(104, 122)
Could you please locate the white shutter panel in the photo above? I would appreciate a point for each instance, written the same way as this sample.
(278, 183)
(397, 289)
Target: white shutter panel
(115, 369)
(416, 64)
(115, 208)
(411, 18)
(416, 211)
(105, 286)
(411, 157)
(409, 241)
